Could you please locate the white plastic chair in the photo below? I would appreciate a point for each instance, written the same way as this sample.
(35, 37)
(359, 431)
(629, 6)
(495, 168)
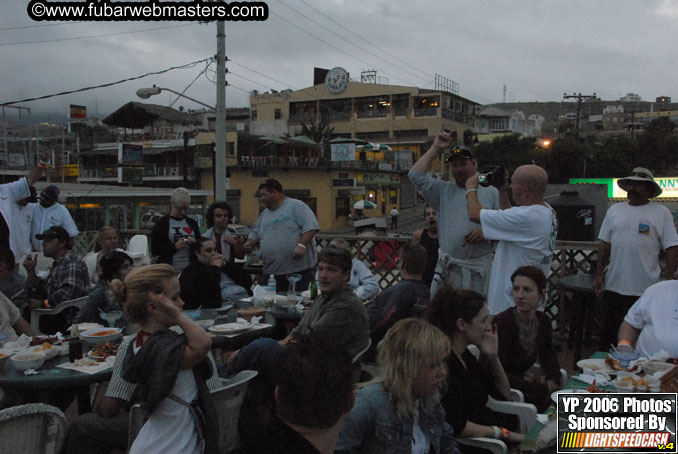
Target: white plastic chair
(37, 313)
(138, 250)
(32, 429)
(227, 400)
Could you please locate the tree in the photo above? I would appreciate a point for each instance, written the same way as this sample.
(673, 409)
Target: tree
(658, 146)
(319, 132)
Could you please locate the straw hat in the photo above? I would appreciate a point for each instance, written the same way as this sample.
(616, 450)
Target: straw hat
(641, 174)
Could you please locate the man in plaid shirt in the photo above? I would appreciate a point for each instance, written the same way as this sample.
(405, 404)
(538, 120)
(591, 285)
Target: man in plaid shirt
(68, 279)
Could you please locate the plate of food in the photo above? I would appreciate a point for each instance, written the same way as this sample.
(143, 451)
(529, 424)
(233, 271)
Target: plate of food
(608, 366)
(230, 328)
(48, 349)
(103, 351)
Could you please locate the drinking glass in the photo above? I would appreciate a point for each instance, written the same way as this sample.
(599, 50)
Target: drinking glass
(111, 317)
(293, 279)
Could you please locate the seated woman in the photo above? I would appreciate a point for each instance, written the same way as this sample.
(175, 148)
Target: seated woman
(650, 324)
(114, 265)
(171, 369)
(364, 284)
(107, 240)
(464, 317)
(401, 412)
(525, 339)
(204, 282)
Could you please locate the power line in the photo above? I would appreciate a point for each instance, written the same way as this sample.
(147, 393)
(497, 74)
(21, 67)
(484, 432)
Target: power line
(40, 25)
(250, 80)
(340, 50)
(187, 65)
(95, 36)
(261, 74)
(356, 34)
(192, 82)
(348, 40)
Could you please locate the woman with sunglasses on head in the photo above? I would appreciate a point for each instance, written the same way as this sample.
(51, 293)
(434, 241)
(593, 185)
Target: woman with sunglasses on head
(170, 368)
(464, 317)
(525, 340)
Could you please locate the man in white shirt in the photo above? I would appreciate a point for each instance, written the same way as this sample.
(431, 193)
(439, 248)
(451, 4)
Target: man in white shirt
(631, 237)
(50, 213)
(526, 233)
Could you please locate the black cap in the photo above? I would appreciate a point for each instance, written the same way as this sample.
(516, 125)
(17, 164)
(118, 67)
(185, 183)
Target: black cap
(459, 152)
(53, 232)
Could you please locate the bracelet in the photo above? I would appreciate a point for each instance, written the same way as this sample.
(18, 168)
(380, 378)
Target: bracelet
(505, 432)
(497, 432)
(301, 245)
(468, 191)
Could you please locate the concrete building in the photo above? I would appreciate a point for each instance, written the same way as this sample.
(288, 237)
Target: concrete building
(492, 122)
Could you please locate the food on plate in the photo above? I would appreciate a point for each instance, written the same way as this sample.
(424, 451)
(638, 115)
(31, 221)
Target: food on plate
(42, 340)
(594, 389)
(104, 350)
(86, 362)
(45, 346)
(104, 333)
(616, 365)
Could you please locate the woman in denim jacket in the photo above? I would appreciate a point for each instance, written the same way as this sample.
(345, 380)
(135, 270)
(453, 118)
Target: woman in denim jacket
(400, 413)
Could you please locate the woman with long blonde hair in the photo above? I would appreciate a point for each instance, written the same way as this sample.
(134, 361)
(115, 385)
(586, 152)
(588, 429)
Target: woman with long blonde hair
(171, 368)
(400, 412)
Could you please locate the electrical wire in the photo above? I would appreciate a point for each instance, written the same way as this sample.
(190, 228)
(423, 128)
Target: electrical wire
(351, 42)
(39, 25)
(261, 74)
(428, 76)
(95, 36)
(187, 65)
(207, 65)
(340, 50)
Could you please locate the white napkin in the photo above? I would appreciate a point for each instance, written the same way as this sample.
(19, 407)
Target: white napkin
(31, 372)
(22, 342)
(242, 321)
(256, 319)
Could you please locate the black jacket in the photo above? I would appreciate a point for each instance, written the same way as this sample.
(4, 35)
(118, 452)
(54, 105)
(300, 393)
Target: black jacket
(161, 245)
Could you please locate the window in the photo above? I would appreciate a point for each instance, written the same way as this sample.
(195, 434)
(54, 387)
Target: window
(426, 106)
(401, 104)
(254, 115)
(342, 207)
(372, 106)
(277, 114)
(302, 111)
(337, 109)
(374, 135)
(410, 133)
(393, 197)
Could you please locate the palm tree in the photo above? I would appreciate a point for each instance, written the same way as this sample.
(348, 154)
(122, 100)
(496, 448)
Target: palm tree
(320, 132)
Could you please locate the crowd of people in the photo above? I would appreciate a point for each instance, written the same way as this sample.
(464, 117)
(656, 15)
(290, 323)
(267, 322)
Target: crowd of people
(463, 324)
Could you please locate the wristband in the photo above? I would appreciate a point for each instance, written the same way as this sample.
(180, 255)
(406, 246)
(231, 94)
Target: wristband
(301, 245)
(505, 433)
(468, 191)
(624, 342)
(497, 432)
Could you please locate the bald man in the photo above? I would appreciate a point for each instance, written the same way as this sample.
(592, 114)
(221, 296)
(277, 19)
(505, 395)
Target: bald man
(526, 233)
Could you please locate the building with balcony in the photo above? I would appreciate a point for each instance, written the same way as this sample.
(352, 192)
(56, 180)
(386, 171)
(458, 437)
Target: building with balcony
(492, 122)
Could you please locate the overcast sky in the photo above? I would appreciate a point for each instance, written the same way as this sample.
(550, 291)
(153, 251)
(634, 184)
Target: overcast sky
(537, 48)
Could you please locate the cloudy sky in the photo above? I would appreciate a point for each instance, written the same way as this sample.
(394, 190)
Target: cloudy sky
(537, 48)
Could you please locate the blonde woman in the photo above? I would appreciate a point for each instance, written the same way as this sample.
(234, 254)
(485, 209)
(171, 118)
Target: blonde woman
(107, 240)
(400, 412)
(171, 369)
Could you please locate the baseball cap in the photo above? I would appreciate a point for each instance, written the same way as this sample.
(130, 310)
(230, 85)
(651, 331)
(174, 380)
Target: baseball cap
(51, 192)
(53, 232)
(459, 152)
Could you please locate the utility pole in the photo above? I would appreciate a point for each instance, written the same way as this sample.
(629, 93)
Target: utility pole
(220, 181)
(580, 98)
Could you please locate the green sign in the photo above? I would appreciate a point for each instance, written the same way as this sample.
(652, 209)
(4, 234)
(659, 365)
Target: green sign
(608, 181)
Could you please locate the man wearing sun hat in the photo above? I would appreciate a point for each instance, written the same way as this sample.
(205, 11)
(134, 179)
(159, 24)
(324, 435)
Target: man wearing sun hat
(464, 257)
(631, 237)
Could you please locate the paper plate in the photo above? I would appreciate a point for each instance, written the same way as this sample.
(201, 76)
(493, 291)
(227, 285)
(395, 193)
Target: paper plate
(596, 365)
(230, 328)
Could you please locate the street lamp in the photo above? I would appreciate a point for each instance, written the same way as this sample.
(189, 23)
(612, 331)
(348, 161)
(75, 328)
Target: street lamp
(220, 181)
(145, 93)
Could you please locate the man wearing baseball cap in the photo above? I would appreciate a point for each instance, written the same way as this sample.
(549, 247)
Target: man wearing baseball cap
(49, 212)
(68, 279)
(631, 237)
(465, 257)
